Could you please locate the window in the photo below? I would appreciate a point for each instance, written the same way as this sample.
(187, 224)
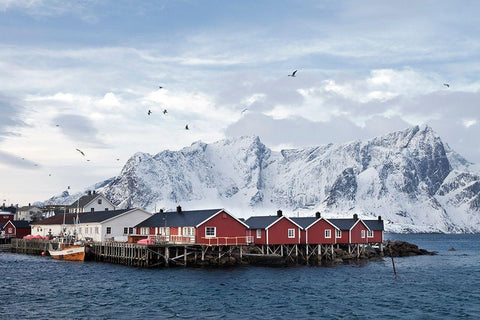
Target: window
(328, 233)
(125, 230)
(109, 230)
(363, 234)
(10, 230)
(370, 233)
(96, 230)
(188, 231)
(99, 201)
(210, 231)
(259, 233)
(106, 209)
(130, 230)
(338, 233)
(92, 209)
(291, 233)
(144, 231)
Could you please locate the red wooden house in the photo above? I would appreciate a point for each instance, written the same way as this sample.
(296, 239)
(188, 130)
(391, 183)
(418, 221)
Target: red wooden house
(276, 230)
(5, 217)
(206, 227)
(17, 229)
(351, 231)
(317, 230)
(375, 234)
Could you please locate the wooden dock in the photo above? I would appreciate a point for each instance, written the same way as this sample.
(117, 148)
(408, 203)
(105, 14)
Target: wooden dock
(171, 255)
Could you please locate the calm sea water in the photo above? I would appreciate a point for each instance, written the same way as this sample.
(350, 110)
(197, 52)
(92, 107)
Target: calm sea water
(427, 287)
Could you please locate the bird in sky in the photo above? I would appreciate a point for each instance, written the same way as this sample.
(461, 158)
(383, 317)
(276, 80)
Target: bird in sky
(160, 87)
(149, 112)
(186, 127)
(165, 111)
(57, 125)
(83, 154)
(244, 110)
(118, 159)
(446, 85)
(293, 74)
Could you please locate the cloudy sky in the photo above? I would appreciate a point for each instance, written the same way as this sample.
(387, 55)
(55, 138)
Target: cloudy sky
(83, 74)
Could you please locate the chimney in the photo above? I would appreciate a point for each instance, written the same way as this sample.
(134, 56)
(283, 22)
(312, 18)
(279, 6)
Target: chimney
(161, 210)
(279, 213)
(318, 215)
(379, 218)
(93, 191)
(89, 192)
(179, 209)
(29, 204)
(355, 217)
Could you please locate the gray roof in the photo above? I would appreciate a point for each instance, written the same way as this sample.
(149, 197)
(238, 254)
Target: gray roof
(260, 222)
(84, 217)
(304, 222)
(376, 224)
(343, 224)
(99, 216)
(174, 219)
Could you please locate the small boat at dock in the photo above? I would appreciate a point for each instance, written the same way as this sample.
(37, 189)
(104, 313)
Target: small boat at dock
(69, 252)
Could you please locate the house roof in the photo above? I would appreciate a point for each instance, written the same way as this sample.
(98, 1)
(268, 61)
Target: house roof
(99, 216)
(304, 222)
(19, 223)
(175, 219)
(343, 224)
(27, 208)
(376, 224)
(261, 222)
(58, 219)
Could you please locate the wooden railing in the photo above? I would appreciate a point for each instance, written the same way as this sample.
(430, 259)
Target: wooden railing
(217, 241)
(173, 239)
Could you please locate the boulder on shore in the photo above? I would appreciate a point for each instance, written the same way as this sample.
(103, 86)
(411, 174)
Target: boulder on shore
(396, 248)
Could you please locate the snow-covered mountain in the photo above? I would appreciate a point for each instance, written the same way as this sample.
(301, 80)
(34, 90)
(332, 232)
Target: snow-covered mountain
(410, 178)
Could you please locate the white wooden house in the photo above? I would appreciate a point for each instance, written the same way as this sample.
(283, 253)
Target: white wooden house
(97, 226)
(91, 202)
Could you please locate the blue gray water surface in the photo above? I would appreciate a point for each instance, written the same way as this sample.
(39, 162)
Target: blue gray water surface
(428, 287)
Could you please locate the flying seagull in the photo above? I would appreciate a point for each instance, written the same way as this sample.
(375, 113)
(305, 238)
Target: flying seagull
(165, 111)
(160, 87)
(149, 112)
(446, 85)
(83, 154)
(293, 74)
(186, 127)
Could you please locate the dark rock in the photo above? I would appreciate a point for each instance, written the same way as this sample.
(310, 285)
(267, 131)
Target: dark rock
(452, 249)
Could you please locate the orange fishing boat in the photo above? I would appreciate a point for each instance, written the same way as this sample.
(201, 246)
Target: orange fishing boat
(68, 252)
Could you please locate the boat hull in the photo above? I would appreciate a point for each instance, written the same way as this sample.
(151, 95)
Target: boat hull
(70, 253)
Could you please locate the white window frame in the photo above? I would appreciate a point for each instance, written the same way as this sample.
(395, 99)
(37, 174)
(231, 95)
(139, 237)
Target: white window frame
(291, 233)
(338, 234)
(369, 233)
(99, 201)
(187, 231)
(210, 234)
(108, 230)
(362, 234)
(328, 233)
(259, 233)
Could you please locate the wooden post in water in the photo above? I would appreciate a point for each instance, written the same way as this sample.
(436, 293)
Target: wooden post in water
(393, 264)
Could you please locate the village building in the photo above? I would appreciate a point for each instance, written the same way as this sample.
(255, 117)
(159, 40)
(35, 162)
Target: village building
(375, 232)
(206, 227)
(29, 213)
(5, 217)
(351, 231)
(91, 202)
(16, 229)
(109, 225)
(274, 230)
(317, 230)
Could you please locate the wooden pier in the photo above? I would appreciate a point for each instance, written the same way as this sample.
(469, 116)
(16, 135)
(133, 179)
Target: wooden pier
(171, 255)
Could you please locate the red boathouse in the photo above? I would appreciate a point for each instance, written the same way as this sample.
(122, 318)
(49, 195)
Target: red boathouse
(274, 230)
